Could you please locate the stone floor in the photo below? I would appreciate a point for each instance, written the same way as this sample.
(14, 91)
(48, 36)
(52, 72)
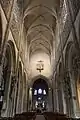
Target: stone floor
(40, 117)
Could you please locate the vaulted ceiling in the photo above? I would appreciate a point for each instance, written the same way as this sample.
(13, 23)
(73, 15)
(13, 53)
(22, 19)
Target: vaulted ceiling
(40, 23)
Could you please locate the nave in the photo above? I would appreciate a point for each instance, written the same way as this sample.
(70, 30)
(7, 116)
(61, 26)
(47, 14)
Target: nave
(39, 59)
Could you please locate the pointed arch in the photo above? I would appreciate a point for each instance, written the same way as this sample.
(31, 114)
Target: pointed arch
(0, 30)
(42, 77)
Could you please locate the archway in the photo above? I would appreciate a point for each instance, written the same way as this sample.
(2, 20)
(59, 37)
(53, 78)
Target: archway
(60, 87)
(78, 91)
(19, 89)
(71, 77)
(12, 90)
(8, 77)
(67, 82)
(0, 30)
(40, 84)
(24, 93)
(40, 94)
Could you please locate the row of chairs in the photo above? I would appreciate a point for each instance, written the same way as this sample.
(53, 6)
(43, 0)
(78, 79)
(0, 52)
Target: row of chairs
(21, 116)
(55, 116)
(25, 116)
(32, 116)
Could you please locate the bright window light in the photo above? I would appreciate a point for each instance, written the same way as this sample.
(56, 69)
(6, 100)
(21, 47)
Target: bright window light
(36, 103)
(39, 98)
(35, 92)
(43, 104)
(44, 92)
(40, 91)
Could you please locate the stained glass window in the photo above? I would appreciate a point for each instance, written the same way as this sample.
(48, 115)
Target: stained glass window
(35, 92)
(44, 92)
(40, 91)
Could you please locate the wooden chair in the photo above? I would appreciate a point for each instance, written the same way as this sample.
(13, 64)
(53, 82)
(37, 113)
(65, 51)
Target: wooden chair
(25, 116)
(55, 116)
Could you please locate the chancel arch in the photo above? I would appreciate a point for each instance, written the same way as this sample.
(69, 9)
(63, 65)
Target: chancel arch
(40, 93)
(37, 77)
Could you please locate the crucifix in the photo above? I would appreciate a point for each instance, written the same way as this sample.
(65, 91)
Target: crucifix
(40, 66)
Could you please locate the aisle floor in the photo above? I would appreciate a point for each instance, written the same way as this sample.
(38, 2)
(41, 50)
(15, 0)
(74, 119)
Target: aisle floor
(40, 117)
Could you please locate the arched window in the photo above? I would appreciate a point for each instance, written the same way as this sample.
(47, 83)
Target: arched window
(39, 91)
(40, 94)
(44, 92)
(35, 92)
